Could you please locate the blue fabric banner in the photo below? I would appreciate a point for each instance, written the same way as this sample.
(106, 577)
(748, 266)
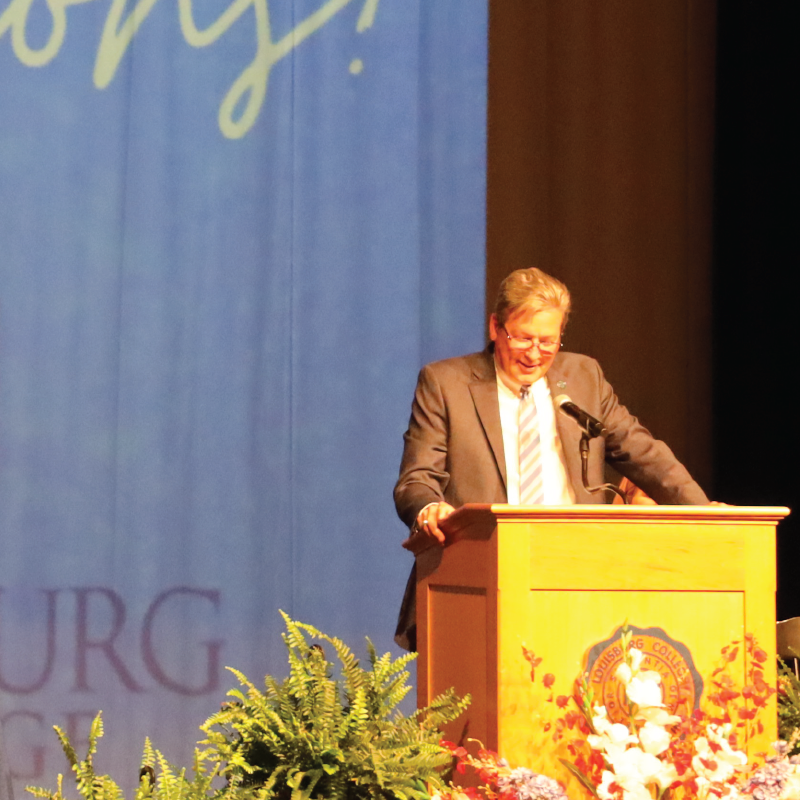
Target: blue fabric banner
(230, 236)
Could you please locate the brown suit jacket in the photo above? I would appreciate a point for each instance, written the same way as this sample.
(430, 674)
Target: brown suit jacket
(454, 442)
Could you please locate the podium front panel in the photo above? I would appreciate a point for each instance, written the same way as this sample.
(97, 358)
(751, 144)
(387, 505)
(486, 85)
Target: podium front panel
(560, 582)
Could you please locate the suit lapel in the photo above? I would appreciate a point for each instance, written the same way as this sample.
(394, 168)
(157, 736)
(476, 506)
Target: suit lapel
(568, 432)
(483, 389)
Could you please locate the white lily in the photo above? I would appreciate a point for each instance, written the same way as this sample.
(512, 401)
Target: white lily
(644, 690)
(634, 768)
(657, 715)
(611, 735)
(791, 787)
(719, 763)
(709, 790)
(654, 738)
(603, 791)
(630, 668)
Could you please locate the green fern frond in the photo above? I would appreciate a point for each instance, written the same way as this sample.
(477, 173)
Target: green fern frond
(330, 730)
(37, 792)
(313, 735)
(69, 750)
(95, 733)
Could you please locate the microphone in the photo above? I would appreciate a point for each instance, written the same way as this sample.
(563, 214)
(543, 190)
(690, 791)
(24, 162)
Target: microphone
(593, 427)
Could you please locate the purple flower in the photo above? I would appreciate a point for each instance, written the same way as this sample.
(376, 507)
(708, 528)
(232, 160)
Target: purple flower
(767, 782)
(528, 785)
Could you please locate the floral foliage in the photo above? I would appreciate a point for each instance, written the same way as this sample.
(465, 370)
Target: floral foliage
(652, 754)
(788, 705)
(500, 781)
(658, 754)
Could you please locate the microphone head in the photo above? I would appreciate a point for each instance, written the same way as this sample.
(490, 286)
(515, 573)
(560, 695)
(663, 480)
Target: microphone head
(562, 399)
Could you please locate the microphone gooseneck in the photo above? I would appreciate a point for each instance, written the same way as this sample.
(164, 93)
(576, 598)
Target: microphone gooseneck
(591, 428)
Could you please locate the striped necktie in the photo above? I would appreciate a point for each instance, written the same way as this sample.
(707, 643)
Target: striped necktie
(531, 486)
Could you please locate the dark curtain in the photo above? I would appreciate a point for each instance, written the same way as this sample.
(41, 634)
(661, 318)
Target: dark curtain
(755, 265)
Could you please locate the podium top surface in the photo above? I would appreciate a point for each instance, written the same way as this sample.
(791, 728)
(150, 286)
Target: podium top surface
(502, 511)
(479, 520)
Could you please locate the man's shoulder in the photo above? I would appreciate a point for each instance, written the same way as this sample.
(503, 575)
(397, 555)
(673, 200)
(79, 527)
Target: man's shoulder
(575, 364)
(574, 372)
(462, 368)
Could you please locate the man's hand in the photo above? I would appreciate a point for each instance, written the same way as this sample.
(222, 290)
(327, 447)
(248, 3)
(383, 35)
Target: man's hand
(427, 522)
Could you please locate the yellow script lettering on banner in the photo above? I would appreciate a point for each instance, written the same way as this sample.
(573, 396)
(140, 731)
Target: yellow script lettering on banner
(15, 18)
(119, 30)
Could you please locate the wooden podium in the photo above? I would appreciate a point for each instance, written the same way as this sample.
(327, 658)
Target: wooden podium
(561, 580)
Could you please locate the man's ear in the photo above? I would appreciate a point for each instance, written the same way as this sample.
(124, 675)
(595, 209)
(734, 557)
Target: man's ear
(493, 326)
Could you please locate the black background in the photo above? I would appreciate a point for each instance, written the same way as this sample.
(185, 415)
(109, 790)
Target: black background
(756, 312)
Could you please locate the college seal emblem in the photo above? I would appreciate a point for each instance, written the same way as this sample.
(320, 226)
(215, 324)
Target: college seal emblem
(681, 683)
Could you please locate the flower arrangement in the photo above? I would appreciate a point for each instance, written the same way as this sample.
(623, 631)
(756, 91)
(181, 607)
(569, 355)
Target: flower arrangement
(500, 781)
(650, 753)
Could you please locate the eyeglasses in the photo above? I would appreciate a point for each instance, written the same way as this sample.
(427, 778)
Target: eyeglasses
(545, 345)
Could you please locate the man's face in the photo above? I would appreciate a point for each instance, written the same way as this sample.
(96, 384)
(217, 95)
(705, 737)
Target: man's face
(521, 367)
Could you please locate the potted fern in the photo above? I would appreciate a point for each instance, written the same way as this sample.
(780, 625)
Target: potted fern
(328, 730)
(319, 734)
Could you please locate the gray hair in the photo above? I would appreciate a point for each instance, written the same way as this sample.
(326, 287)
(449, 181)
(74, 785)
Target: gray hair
(531, 289)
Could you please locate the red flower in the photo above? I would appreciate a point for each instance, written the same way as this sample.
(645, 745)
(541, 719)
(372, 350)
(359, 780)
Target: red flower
(573, 720)
(562, 701)
(531, 657)
(760, 684)
(548, 680)
(682, 762)
(596, 760)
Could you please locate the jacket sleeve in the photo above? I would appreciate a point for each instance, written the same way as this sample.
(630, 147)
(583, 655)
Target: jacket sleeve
(423, 473)
(645, 460)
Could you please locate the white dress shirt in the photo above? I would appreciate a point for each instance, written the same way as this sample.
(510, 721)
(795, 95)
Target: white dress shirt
(557, 488)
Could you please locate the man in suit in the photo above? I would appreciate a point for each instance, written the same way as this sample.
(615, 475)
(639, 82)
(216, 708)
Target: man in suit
(483, 427)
